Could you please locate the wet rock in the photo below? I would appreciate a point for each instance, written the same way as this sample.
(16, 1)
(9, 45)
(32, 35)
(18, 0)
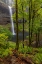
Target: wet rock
(4, 14)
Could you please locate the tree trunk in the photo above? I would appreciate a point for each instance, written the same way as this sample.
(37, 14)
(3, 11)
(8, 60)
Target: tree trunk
(29, 23)
(36, 39)
(23, 32)
(23, 25)
(17, 43)
(32, 17)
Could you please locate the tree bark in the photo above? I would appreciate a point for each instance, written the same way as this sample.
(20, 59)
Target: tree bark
(23, 25)
(36, 40)
(38, 37)
(23, 32)
(29, 23)
(17, 43)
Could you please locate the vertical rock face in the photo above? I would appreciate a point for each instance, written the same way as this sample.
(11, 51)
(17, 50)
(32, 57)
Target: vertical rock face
(4, 13)
(8, 2)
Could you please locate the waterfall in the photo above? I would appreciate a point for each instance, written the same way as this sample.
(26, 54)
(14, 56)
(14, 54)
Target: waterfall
(9, 3)
(12, 23)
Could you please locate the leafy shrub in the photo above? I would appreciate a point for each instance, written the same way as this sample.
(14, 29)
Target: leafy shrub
(38, 58)
(40, 50)
(5, 49)
(3, 40)
(5, 52)
(12, 45)
(25, 49)
(6, 31)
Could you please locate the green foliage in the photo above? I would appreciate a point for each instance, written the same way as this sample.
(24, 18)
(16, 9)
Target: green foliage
(5, 52)
(25, 49)
(5, 46)
(31, 52)
(6, 31)
(3, 40)
(20, 28)
(40, 50)
(20, 12)
(12, 45)
(38, 58)
(36, 7)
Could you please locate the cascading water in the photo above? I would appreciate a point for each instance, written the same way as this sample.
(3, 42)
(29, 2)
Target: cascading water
(9, 3)
(12, 23)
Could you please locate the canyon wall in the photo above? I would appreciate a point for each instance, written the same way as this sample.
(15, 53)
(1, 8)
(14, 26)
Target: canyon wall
(4, 13)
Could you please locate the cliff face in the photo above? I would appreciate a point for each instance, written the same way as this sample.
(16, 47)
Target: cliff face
(4, 13)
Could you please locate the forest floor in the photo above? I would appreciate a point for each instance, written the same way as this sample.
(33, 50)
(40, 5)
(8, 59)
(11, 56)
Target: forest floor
(19, 59)
(16, 59)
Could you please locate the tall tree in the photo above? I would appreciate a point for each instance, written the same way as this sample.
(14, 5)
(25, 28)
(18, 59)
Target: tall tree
(23, 25)
(29, 22)
(17, 43)
(22, 14)
(23, 20)
(37, 19)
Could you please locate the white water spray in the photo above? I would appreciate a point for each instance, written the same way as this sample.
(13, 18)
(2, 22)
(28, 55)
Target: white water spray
(12, 23)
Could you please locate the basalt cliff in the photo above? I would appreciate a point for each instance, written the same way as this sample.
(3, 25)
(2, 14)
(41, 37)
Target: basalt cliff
(4, 14)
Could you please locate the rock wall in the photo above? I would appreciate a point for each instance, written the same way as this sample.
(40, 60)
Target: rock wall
(4, 14)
